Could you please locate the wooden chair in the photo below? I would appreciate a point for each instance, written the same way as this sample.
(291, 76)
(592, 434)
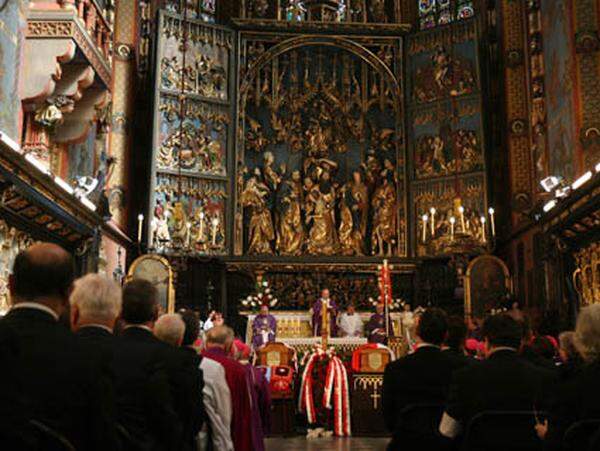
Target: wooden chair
(370, 360)
(275, 354)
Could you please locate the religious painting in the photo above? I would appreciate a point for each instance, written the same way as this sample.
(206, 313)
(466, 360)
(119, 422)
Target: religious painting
(448, 212)
(12, 23)
(321, 171)
(448, 140)
(487, 286)
(206, 58)
(81, 157)
(188, 215)
(158, 271)
(198, 144)
(443, 64)
(559, 62)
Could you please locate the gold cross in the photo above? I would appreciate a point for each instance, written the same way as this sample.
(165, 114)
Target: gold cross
(375, 396)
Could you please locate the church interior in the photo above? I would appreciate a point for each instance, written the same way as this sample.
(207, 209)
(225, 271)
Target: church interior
(317, 175)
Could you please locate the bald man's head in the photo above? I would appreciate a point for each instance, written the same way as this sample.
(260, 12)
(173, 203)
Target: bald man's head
(43, 272)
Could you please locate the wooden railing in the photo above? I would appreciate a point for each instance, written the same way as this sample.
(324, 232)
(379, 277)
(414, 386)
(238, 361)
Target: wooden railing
(97, 25)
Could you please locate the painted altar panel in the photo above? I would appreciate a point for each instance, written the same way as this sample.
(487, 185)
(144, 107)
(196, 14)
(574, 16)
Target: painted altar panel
(559, 61)
(192, 134)
(443, 63)
(320, 150)
(189, 214)
(199, 144)
(447, 197)
(447, 141)
(12, 23)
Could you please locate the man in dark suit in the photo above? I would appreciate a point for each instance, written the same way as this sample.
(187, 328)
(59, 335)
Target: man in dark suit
(59, 384)
(421, 378)
(503, 382)
(454, 344)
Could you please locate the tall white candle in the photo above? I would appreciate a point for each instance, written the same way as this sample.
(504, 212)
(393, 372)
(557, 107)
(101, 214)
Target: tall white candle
(461, 211)
(201, 226)
(452, 222)
(425, 219)
(492, 221)
(483, 237)
(215, 224)
(140, 223)
(432, 211)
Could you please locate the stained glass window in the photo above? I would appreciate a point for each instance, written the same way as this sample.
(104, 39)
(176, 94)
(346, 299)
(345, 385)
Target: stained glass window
(441, 12)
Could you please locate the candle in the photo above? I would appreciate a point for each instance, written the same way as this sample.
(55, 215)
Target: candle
(201, 226)
(432, 211)
(215, 224)
(461, 211)
(492, 221)
(140, 223)
(425, 219)
(483, 228)
(452, 221)
(189, 235)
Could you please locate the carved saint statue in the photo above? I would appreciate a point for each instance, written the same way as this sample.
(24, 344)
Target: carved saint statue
(384, 215)
(290, 235)
(323, 238)
(260, 229)
(353, 209)
(179, 228)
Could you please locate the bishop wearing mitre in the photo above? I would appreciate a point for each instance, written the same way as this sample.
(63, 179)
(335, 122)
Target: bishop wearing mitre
(324, 303)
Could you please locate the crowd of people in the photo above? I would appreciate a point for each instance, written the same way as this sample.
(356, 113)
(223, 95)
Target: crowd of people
(90, 365)
(509, 389)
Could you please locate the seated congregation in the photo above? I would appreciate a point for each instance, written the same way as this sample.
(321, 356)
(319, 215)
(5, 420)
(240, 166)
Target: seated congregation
(88, 365)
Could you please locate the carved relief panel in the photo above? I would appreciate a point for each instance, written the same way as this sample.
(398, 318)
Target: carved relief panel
(447, 142)
(320, 150)
(191, 138)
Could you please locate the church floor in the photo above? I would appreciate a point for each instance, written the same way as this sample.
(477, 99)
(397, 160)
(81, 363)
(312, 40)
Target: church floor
(326, 444)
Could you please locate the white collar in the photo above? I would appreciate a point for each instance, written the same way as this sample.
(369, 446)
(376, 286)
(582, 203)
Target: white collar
(100, 326)
(138, 326)
(35, 306)
(427, 345)
(502, 348)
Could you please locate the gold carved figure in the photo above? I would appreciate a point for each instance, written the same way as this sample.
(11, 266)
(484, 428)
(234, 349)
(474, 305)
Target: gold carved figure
(384, 215)
(353, 211)
(323, 238)
(291, 234)
(260, 231)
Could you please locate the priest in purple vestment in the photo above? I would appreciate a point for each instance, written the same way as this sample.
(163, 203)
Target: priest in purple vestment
(264, 328)
(318, 307)
(375, 328)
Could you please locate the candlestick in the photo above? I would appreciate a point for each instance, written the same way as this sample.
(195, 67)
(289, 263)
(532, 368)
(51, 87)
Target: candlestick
(492, 221)
(483, 228)
(461, 211)
(215, 224)
(452, 221)
(432, 211)
(140, 223)
(425, 219)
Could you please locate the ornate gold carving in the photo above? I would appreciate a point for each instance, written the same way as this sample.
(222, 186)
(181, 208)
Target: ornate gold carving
(586, 278)
(12, 241)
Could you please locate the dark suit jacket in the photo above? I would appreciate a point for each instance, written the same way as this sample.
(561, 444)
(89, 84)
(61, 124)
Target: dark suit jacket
(505, 381)
(145, 404)
(420, 378)
(578, 399)
(190, 383)
(59, 381)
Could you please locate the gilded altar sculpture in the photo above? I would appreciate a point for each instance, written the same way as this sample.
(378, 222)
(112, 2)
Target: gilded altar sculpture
(321, 173)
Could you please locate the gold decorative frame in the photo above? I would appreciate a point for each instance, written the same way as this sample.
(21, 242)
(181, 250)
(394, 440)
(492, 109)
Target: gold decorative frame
(170, 301)
(467, 279)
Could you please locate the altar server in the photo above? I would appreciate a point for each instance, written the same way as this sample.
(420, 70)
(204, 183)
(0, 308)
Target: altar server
(351, 324)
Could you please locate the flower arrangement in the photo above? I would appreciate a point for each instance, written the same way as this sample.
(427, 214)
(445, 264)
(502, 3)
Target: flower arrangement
(396, 304)
(263, 296)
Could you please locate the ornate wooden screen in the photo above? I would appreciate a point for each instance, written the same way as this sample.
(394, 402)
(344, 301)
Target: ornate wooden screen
(446, 141)
(192, 135)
